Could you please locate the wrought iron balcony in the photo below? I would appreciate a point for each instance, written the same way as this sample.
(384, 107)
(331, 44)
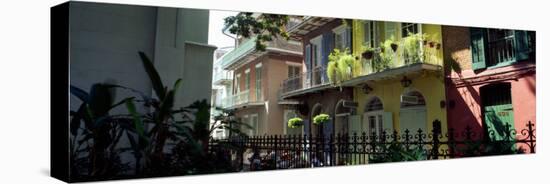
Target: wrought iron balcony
(307, 80)
(405, 54)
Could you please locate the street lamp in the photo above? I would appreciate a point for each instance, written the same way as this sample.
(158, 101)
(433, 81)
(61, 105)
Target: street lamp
(366, 89)
(405, 82)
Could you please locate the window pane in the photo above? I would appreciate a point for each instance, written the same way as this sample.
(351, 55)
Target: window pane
(501, 46)
(407, 28)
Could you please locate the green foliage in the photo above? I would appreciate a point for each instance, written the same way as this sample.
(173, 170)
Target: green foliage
(412, 44)
(265, 27)
(396, 152)
(342, 66)
(295, 122)
(387, 55)
(332, 72)
(478, 148)
(321, 118)
(96, 133)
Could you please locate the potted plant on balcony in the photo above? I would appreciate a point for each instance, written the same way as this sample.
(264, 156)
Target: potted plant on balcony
(368, 52)
(412, 44)
(393, 44)
(386, 55)
(320, 119)
(295, 122)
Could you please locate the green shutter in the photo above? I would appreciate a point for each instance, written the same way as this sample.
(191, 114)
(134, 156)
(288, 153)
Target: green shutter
(522, 45)
(478, 43)
(355, 124)
(388, 122)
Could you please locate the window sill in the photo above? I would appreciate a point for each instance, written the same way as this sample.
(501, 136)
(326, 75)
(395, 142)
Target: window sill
(503, 64)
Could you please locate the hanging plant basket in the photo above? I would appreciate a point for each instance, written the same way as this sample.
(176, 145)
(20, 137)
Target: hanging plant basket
(394, 46)
(368, 54)
(295, 122)
(320, 119)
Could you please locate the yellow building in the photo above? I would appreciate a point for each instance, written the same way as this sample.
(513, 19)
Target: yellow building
(399, 83)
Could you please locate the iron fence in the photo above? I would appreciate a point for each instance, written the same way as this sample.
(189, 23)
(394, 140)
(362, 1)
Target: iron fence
(302, 151)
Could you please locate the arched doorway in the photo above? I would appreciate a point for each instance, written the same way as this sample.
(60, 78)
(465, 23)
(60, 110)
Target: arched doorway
(412, 115)
(373, 118)
(341, 118)
(316, 130)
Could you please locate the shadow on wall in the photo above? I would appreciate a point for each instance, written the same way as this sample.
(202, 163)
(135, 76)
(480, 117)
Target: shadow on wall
(466, 111)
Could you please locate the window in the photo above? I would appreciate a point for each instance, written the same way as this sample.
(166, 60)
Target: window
(258, 82)
(369, 33)
(245, 129)
(316, 51)
(499, 47)
(407, 28)
(253, 125)
(238, 83)
(247, 79)
(389, 30)
(342, 38)
(293, 71)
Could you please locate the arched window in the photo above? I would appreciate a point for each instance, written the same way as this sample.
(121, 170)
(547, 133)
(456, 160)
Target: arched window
(412, 99)
(374, 104)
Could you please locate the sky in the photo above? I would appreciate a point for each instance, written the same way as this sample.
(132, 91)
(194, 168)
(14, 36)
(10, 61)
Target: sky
(215, 35)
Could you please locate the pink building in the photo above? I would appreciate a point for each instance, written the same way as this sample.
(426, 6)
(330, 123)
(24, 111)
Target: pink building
(490, 79)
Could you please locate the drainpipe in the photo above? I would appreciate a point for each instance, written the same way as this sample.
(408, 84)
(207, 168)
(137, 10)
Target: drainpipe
(230, 36)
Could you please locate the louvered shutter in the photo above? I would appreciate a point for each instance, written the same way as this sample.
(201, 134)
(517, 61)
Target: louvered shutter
(308, 61)
(522, 45)
(478, 44)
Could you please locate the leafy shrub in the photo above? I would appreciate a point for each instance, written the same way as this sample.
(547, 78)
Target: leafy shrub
(396, 152)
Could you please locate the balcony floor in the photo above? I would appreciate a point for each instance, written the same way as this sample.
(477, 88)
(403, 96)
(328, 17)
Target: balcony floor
(393, 73)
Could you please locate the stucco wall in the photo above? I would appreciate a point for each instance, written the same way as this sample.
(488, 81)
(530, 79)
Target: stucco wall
(104, 44)
(277, 71)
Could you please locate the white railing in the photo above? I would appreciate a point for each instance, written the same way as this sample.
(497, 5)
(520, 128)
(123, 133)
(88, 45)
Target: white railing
(240, 98)
(222, 76)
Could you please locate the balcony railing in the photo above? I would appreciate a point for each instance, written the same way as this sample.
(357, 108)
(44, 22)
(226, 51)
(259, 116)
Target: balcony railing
(241, 98)
(243, 49)
(222, 77)
(311, 79)
(248, 49)
(405, 54)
